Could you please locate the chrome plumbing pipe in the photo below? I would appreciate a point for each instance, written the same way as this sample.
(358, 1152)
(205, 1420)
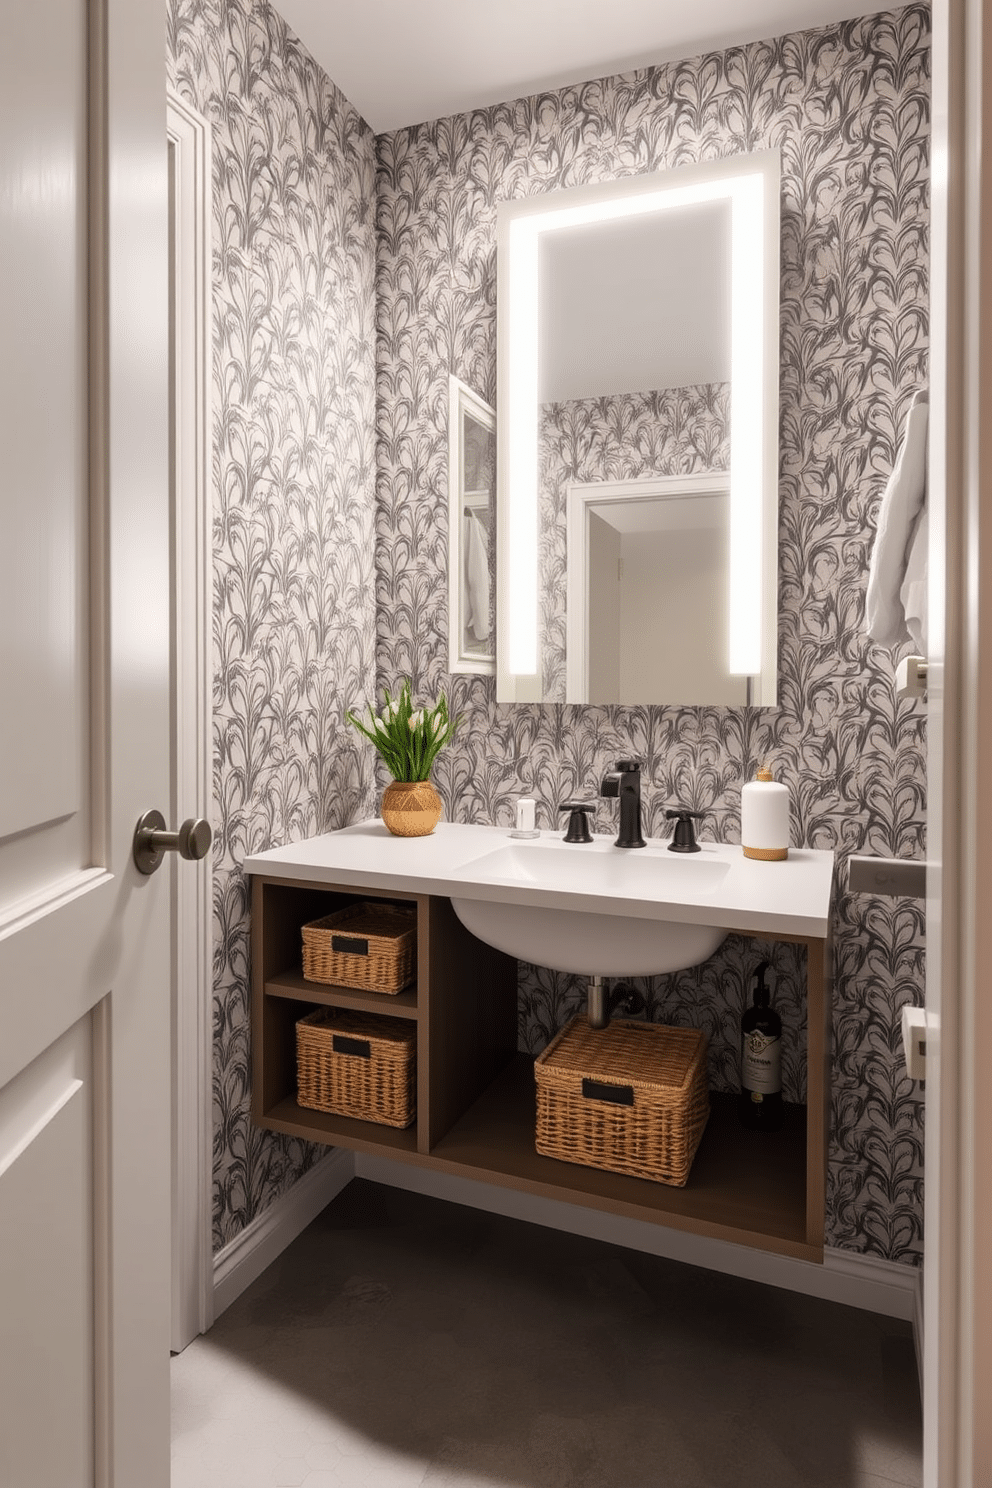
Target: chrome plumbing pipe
(598, 1003)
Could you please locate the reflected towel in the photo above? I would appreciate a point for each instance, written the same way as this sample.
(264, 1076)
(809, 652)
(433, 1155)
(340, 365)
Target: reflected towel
(900, 520)
(476, 578)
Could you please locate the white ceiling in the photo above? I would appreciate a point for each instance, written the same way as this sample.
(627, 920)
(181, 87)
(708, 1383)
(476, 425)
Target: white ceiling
(400, 62)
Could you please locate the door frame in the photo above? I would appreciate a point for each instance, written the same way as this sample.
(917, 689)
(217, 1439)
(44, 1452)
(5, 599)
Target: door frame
(190, 472)
(958, 1198)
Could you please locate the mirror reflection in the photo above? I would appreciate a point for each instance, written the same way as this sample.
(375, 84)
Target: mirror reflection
(645, 343)
(647, 592)
(472, 531)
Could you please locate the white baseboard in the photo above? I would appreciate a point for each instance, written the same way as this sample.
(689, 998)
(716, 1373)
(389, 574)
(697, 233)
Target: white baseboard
(857, 1281)
(887, 1287)
(918, 1324)
(259, 1243)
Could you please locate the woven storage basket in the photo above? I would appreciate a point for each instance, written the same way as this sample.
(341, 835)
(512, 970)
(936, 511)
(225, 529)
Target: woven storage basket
(632, 1098)
(355, 1064)
(369, 945)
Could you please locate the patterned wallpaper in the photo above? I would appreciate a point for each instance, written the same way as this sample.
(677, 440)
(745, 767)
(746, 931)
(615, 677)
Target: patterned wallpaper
(848, 107)
(618, 437)
(294, 400)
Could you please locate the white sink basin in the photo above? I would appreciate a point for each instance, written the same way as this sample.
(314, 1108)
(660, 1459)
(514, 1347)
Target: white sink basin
(600, 868)
(594, 937)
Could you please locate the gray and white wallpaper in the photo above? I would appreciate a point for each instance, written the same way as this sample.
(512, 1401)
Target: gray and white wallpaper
(618, 437)
(351, 275)
(294, 401)
(848, 107)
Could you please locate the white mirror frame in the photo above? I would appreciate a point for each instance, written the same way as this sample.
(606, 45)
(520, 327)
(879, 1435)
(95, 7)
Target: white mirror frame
(751, 183)
(463, 401)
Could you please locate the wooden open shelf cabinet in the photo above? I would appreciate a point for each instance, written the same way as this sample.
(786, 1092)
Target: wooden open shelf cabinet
(475, 1093)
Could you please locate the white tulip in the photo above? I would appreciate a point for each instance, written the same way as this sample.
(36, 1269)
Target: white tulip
(416, 719)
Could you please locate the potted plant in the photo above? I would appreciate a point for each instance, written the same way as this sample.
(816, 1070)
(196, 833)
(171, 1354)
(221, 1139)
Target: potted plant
(409, 740)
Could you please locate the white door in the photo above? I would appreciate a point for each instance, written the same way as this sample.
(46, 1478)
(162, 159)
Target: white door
(84, 733)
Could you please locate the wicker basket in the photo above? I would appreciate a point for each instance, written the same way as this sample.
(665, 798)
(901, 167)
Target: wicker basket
(355, 1064)
(632, 1098)
(369, 945)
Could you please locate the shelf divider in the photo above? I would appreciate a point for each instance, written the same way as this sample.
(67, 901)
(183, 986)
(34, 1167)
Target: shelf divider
(293, 984)
(294, 1120)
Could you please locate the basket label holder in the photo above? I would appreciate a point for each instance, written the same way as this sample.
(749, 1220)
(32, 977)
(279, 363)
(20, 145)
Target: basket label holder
(350, 945)
(617, 1095)
(341, 1044)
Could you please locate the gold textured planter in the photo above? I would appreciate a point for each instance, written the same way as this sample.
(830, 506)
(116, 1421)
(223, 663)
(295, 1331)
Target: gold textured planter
(411, 808)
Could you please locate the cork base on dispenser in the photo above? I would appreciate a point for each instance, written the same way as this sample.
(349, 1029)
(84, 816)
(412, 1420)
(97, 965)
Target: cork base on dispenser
(767, 854)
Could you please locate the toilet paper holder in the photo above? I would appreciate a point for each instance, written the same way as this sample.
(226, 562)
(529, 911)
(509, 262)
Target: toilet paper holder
(896, 877)
(914, 1041)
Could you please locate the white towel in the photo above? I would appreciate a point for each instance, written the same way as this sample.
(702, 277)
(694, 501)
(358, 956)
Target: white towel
(900, 520)
(913, 594)
(476, 579)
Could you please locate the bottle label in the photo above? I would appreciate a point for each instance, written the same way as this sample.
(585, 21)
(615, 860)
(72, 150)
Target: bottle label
(762, 1063)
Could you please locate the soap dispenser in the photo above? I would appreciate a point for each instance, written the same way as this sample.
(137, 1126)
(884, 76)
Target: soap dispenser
(760, 1102)
(765, 819)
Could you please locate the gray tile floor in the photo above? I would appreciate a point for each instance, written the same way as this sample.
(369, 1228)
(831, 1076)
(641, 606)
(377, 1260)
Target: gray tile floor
(403, 1342)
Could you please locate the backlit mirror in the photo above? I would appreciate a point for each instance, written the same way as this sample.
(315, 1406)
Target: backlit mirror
(637, 438)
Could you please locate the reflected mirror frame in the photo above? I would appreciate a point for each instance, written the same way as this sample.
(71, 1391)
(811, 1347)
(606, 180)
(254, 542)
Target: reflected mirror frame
(582, 498)
(752, 185)
(463, 403)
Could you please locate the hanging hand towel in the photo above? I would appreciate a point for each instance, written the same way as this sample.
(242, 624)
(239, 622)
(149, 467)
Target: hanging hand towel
(898, 520)
(476, 579)
(913, 594)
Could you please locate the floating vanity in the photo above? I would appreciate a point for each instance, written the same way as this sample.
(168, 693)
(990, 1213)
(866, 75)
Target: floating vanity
(482, 898)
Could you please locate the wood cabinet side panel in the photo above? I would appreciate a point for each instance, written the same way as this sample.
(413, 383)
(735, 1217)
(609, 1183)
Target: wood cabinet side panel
(257, 1033)
(818, 1052)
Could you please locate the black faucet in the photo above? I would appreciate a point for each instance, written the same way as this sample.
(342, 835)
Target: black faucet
(625, 782)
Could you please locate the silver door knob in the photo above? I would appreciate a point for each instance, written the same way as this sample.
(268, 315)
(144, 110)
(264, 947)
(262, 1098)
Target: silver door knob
(152, 841)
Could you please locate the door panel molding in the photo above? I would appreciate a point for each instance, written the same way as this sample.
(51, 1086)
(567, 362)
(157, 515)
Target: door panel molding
(103, 1287)
(32, 1100)
(34, 907)
(46, 1247)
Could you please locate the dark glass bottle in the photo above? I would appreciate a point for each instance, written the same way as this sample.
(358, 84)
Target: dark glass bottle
(760, 1101)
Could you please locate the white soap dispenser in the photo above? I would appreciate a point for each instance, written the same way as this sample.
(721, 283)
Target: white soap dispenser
(765, 819)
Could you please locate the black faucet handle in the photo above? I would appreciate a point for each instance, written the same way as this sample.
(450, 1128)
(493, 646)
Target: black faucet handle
(684, 840)
(578, 822)
(627, 765)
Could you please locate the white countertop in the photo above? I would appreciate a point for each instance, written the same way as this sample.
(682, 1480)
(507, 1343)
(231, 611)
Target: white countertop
(792, 898)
